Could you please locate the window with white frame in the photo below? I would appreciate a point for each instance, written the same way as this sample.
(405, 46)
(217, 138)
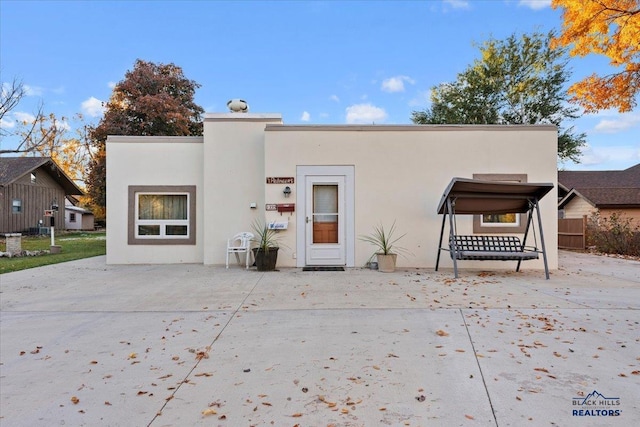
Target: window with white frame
(162, 215)
(72, 217)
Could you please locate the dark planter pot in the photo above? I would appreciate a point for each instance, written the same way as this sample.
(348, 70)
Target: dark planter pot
(265, 261)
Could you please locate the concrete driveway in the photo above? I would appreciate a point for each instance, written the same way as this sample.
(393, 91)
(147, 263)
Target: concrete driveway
(86, 344)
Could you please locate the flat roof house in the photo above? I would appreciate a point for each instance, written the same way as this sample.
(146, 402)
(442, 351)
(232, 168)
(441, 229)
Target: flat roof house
(341, 181)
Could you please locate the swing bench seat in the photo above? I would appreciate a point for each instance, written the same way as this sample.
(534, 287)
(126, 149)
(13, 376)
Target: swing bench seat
(490, 248)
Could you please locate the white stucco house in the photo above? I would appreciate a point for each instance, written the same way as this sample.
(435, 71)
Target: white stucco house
(349, 178)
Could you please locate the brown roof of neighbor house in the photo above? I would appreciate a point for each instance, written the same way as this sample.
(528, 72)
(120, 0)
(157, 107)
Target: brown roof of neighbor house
(12, 168)
(603, 189)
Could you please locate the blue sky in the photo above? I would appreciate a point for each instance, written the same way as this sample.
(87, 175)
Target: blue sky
(315, 62)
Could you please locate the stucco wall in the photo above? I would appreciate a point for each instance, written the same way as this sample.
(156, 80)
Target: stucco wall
(234, 177)
(402, 171)
(151, 161)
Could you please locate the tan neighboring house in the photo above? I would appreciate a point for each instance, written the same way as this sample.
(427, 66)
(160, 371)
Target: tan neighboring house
(30, 188)
(586, 192)
(250, 166)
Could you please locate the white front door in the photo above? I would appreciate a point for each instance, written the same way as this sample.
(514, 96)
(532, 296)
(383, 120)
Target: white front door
(325, 220)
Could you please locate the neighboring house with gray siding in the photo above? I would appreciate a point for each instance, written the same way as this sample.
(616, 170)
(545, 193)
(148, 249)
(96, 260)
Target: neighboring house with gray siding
(29, 186)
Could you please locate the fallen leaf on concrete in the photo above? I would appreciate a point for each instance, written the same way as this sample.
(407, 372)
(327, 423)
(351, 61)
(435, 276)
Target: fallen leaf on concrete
(75, 400)
(133, 356)
(297, 415)
(442, 333)
(541, 370)
(209, 411)
(469, 417)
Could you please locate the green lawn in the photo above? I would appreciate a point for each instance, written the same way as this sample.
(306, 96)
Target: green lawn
(74, 246)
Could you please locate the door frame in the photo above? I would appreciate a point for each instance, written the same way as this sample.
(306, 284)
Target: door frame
(348, 172)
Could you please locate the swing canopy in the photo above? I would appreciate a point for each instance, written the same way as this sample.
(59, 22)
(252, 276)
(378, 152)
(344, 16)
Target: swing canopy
(475, 197)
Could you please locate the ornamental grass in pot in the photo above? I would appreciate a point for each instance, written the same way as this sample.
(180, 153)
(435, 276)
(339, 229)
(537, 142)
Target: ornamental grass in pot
(387, 251)
(266, 251)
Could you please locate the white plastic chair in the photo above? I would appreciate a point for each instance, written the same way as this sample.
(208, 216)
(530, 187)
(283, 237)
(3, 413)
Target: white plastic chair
(240, 243)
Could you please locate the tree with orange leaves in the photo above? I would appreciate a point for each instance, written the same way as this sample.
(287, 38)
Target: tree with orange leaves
(610, 28)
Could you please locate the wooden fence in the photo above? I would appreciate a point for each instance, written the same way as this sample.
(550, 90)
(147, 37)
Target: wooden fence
(572, 233)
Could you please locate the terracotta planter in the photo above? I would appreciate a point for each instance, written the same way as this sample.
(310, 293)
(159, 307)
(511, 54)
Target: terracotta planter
(265, 261)
(387, 263)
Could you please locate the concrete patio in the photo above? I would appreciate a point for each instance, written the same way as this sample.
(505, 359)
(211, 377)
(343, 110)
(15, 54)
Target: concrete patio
(86, 344)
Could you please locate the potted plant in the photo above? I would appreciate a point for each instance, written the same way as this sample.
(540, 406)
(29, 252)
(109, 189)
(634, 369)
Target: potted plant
(386, 251)
(266, 251)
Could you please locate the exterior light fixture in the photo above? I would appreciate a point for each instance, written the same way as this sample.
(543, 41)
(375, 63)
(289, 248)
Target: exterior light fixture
(287, 191)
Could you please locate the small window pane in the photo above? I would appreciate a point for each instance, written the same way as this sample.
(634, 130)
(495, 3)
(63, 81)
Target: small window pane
(162, 206)
(503, 219)
(149, 230)
(176, 230)
(16, 206)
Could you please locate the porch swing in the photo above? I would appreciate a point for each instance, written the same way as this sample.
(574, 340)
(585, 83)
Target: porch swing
(475, 197)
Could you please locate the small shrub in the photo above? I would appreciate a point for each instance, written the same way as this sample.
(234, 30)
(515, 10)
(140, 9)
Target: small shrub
(614, 234)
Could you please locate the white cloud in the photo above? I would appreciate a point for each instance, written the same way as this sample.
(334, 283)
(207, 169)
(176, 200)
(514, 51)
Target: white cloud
(63, 125)
(535, 4)
(7, 124)
(620, 123)
(305, 116)
(365, 114)
(457, 4)
(93, 107)
(607, 157)
(395, 84)
(334, 98)
(111, 85)
(32, 90)
(24, 117)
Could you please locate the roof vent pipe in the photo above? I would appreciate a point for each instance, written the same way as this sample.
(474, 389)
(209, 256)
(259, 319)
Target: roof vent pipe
(238, 106)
